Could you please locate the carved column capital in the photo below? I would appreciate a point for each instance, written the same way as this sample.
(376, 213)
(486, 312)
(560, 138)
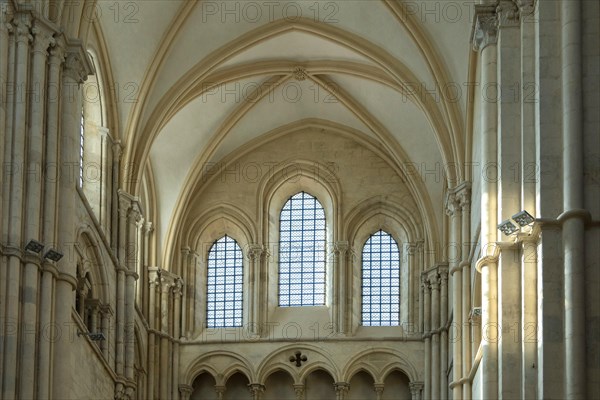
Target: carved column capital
(526, 8)
(425, 284)
(435, 281)
(340, 249)
(415, 389)
(57, 52)
(148, 227)
(256, 389)
(178, 287)
(485, 27)
(463, 197)
(185, 391)
(21, 27)
(43, 38)
(507, 13)
(135, 213)
(117, 149)
(411, 249)
(299, 390)
(75, 66)
(165, 284)
(341, 389)
(443, 276)
(153, 278)
(220, 389)
(452, 205)
(254, 252)
(124, 203)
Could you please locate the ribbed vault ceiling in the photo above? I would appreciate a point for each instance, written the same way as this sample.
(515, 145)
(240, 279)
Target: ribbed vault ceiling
(209, 83)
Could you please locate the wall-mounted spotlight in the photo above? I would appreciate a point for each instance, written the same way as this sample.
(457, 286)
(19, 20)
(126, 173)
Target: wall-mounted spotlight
(95, 337)
(34, 246)
(53, 255)
(507, 227)
(476, 312)
(523, 218)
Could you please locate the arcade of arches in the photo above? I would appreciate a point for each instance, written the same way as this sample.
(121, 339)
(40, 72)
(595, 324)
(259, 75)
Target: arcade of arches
(318, 200)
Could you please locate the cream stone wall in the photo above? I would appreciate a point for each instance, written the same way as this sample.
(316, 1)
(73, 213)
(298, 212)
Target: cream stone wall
(484, 315)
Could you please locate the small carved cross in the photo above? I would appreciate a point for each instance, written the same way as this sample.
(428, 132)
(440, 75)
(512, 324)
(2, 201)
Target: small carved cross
(298, 359)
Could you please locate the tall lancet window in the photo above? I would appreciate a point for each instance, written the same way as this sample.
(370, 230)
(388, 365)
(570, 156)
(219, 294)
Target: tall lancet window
(302, 252)
(224, 284)
(381, 281)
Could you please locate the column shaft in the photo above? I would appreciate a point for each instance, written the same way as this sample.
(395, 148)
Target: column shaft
(435, 338)
(14, 223)
(573, 228)
(444, 336)
(427, 329)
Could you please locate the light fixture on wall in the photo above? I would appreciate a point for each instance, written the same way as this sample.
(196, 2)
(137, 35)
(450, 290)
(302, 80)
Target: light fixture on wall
(523, 218)
(93, 336)
(34, 246)
(507, 227)
(53, 255)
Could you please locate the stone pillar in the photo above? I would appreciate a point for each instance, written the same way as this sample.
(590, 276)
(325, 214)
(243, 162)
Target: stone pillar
(419, 259)
(529, 325)
(16, 154)
(509, 202)
(254, 253)
(57, 55)
(153, 282)
(220, 389)
(411, 250)
(464, 201)
(434, 281)
(75, 72)
(139, 263)
(427, 335)
(256, 389)
(177, 293)
(573, 201)
(341, 390)
(105, 316)
(124, 206)
(299, 390)
(132, 261)
(27, 371)
(416, 389)
(443, 333)
(379, 388)
(165, 290)
(455, 247)
(7, 52)
(117, 150)
(340, 251)
(185, 391)
(62, 369)
(484, 40)
(131, 278)
(187, 284)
